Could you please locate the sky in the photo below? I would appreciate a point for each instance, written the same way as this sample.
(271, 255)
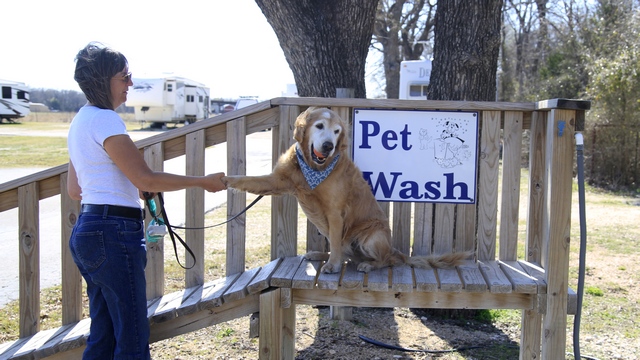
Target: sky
(227, 45)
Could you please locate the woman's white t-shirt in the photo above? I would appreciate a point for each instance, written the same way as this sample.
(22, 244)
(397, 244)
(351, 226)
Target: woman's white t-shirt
(100, 179)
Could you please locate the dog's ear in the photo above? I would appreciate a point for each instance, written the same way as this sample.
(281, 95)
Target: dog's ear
(344, 134)
(300, 126)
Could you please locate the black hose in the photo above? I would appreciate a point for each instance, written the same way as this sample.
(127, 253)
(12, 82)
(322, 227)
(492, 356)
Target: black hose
(583, 244)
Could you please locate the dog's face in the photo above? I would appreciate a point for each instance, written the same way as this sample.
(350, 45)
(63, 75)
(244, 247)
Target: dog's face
(320, 133)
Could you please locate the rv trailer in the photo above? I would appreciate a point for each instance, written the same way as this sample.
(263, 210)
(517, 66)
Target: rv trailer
(169, 99)
(14, 102)
(414, 79)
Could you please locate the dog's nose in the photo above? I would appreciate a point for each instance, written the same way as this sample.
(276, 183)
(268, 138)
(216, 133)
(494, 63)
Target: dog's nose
(327, 146)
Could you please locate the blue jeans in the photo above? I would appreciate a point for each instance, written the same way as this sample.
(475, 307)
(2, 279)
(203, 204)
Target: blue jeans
(111, 255)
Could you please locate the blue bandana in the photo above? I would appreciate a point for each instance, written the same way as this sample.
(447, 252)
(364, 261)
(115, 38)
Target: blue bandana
(314, 177)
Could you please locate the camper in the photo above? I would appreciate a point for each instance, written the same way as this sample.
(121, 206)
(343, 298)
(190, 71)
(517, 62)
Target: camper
(14, 101)
(414, 79)
(169, 99)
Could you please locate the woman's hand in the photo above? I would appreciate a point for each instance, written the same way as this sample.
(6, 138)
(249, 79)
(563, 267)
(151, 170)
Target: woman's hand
(213, 182)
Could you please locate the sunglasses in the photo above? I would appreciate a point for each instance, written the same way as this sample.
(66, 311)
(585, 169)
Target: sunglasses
(126, 77)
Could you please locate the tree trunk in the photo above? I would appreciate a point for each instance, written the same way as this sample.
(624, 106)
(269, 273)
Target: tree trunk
(325, 42)
(466, 48)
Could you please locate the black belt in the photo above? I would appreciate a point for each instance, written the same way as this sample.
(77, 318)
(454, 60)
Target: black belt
(114, 210)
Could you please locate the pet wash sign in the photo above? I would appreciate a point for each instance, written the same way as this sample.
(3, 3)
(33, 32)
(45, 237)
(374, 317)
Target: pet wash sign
(418, 156)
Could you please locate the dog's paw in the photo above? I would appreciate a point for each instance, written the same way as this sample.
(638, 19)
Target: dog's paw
(331, 268)
(365, 266)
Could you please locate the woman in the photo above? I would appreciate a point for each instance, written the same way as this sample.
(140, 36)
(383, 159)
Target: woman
(107, 172)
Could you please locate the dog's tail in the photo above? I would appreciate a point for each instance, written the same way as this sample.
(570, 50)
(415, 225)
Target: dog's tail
(439, 261)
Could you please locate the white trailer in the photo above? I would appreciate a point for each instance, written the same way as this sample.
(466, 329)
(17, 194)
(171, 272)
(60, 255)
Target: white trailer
(14, 100)
(169, 99)
(414, 79)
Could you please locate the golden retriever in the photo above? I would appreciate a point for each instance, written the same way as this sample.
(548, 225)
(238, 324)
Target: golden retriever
(335, 197)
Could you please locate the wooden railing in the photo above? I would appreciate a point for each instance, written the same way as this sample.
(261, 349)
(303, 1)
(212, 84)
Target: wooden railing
(279, 114)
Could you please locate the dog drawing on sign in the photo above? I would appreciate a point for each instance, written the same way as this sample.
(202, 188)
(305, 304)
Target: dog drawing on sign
(335, 197)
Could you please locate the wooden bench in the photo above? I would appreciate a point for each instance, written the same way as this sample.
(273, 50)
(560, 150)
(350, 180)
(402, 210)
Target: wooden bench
(536, 283)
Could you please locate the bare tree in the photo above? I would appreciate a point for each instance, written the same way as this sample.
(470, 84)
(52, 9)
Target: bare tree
(466, 48)
(325, 42)
(402, 30)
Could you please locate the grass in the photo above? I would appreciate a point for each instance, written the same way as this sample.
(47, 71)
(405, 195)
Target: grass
(18, 150)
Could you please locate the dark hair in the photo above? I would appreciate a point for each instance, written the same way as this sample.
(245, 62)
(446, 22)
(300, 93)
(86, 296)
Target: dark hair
(95, 66)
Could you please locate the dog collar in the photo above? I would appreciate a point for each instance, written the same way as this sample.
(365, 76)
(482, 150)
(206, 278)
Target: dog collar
(314, 177)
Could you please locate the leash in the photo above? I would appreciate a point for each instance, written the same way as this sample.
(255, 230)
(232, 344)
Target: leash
(165, 221)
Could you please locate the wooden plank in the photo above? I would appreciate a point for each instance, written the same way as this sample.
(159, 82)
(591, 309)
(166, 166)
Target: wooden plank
(32, 346)
(305, 276)
(71, 278)
(444, 228)
(284, 209)
(283, 276)
(406, 104)
(378, 279)
(190, 304)
(530, 337)
(261, 280)
(239, 288)
(154, 271)
(169, 303)
(7, 350)
(449, 280)
(194, 212)
(434, 300)
(212, 294)
(315, 240)
(329, 281)
(465, 237)
(472, 278)
(498, 282)
(423, 229)
(488, 185)
(401, 227)
(510, 205)
(536, 221)
(555, 259)
(522, 282)
(29, 259)
(204, 318)
(277, 326)
(352, 278)
(75, 337)
(51, 345)
(537, 273)
(426, 280)
(402, 278)
(236, 200)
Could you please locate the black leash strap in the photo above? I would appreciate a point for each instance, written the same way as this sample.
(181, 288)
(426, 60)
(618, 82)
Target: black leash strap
(173, 234)
(224, 222)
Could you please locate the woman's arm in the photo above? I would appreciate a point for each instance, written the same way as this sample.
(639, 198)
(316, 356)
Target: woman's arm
(127, 157)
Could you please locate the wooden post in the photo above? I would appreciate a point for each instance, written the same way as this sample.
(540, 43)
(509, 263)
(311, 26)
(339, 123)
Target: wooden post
(277, 327)
(154, 272)
(560, 141)
(194, 212)
(343, 312)
(236, 200)
(71, 278)
(29, 263)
